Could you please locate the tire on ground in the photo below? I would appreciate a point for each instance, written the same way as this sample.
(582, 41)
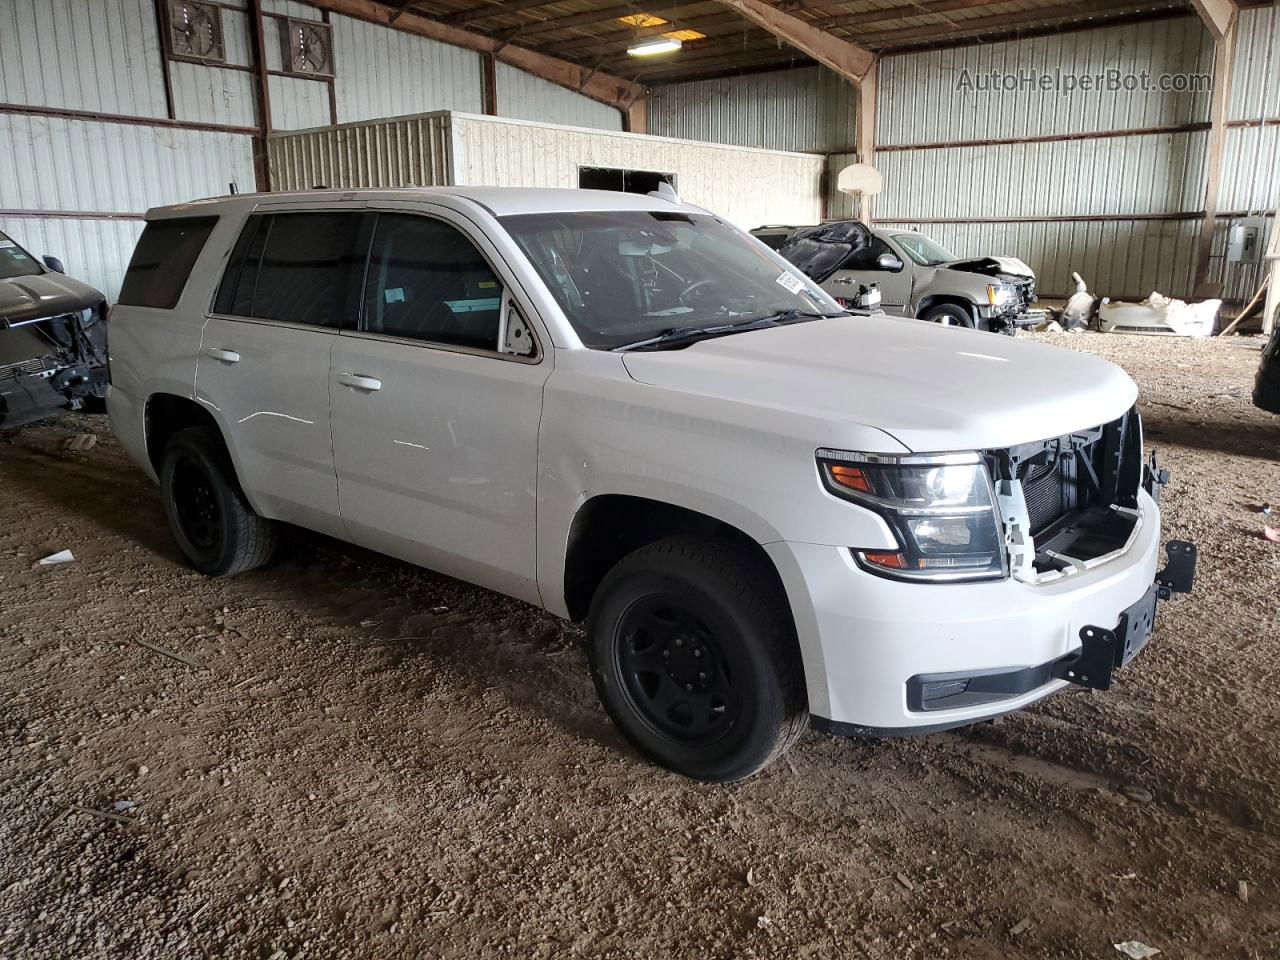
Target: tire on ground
(240, 539)
(948, 313)
(743, 608)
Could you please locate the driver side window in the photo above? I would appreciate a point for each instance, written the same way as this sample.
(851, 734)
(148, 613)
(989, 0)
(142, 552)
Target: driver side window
(427, 281)
(865, 259)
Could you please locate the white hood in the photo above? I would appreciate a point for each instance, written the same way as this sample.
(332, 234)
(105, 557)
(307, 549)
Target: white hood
(933, 388)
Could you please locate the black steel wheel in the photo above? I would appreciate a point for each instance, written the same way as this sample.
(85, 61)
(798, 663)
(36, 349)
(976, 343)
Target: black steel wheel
(678, 676)
(208, 514)
(694, 657)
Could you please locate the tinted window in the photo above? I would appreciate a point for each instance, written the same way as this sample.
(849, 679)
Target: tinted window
(235, 294)
(307, 268)
(865, 259)
(429, 282)
(16, 262)
(162, 261)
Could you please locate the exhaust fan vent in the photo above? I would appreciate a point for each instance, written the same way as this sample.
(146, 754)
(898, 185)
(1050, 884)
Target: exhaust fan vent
(195, 31)
(308, 48)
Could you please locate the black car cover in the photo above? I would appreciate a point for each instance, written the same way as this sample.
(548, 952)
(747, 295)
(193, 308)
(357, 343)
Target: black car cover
(821, 251)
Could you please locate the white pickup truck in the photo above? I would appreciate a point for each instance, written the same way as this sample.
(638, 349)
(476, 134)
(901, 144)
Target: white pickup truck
(769, 512)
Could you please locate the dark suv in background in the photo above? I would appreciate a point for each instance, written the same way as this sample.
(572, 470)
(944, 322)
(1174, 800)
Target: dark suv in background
(53, 339)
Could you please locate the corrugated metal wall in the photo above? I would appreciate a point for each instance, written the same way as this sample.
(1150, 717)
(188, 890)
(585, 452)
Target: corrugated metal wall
(101, 55)
(810, 109)
(386, 73)
(922, 98)
(765, 186)
(1251, 158)
(77, 188)
(523, 97)
(379, 153)
(462, 148)
(1042, 200)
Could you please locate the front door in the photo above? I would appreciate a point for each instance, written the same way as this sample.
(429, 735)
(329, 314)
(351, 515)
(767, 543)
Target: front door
(435, 432)
(863, 267)
(263, 368)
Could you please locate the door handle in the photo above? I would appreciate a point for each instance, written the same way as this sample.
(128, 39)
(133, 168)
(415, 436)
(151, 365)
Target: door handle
(226, 356)
(358, 382)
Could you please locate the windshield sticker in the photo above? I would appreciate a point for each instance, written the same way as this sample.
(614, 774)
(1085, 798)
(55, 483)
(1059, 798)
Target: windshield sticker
(791, 281)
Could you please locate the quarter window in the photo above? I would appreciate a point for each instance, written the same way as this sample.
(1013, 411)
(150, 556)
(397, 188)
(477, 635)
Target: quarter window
(427, 281)
(162, 261)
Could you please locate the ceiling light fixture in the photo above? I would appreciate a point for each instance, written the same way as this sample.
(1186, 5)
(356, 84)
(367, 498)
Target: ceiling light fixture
(650, 48)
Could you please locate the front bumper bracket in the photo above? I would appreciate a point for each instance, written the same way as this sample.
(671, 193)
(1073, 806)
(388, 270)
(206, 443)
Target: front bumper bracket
(1102, 650)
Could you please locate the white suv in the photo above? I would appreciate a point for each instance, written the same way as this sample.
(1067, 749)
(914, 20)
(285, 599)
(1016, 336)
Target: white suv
(769, 512)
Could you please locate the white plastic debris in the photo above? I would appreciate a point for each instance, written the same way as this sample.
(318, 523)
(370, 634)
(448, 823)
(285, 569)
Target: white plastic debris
(1159, 315)
(80, 443)
(1079, 308)
(1136, 950)
(62, 556)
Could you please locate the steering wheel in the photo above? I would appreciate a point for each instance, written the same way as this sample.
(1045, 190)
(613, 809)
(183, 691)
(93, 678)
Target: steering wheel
(696, 285)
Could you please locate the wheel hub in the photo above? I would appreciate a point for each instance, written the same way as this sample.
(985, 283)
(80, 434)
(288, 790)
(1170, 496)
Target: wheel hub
(688, 663)
(675, 671)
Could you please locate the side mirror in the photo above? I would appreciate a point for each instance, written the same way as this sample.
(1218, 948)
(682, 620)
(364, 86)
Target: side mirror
(515, 337)
(54, 264)
(887, 261)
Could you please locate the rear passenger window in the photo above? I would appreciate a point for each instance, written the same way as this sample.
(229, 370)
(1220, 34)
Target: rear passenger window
(162, 261)
(295, 268)
(427, 281)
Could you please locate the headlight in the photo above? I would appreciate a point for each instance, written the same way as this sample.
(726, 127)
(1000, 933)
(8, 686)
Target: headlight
(940, 508)
(998, 294)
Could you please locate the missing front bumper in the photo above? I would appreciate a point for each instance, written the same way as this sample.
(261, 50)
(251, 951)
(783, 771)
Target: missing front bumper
(1102, 650)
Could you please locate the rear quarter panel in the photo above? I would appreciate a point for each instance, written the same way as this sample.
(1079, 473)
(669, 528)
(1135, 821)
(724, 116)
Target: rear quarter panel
(154, 350)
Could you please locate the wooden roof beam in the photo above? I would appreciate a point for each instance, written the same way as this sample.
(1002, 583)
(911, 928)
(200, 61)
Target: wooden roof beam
(1003, 24)
(615, 91)
(1218, 16)
(487, 10)
(844, 57)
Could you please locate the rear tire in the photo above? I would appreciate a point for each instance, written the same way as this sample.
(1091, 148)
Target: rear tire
(948, 314)
(210, 518)
(694, 656)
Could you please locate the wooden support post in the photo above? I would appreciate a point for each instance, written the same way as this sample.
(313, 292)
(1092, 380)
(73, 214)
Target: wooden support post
(637, 116)
(489, 83)
(866, 121)
(1223, 52)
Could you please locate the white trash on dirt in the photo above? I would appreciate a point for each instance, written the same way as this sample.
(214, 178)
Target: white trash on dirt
(1136, 950)
(1159, 315)
(62, 556)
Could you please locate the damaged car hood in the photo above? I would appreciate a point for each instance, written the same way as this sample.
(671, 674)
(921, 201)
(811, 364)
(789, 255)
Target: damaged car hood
(991, 266)
(43, 295)
(932, 388)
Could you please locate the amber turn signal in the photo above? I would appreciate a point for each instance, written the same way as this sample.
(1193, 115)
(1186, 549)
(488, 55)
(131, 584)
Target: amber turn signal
(855, 478)
(880, 559)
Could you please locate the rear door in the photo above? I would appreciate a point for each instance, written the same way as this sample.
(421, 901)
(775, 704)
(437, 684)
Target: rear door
(435, 432)
(263, 367)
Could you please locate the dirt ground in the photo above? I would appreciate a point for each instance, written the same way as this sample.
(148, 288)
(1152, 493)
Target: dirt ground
(363, 759)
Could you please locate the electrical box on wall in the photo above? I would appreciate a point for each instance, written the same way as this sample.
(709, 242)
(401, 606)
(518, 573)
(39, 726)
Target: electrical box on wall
(1244, 240)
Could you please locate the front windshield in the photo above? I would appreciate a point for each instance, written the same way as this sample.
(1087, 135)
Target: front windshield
(625, 276)
(923, 250)
(16, 262)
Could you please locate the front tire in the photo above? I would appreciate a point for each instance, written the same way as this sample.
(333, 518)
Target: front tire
(949, 315)
(694, 657)
(208, 514)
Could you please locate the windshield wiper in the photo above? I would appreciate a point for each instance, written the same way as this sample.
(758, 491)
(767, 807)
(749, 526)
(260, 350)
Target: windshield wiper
(679, 336)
